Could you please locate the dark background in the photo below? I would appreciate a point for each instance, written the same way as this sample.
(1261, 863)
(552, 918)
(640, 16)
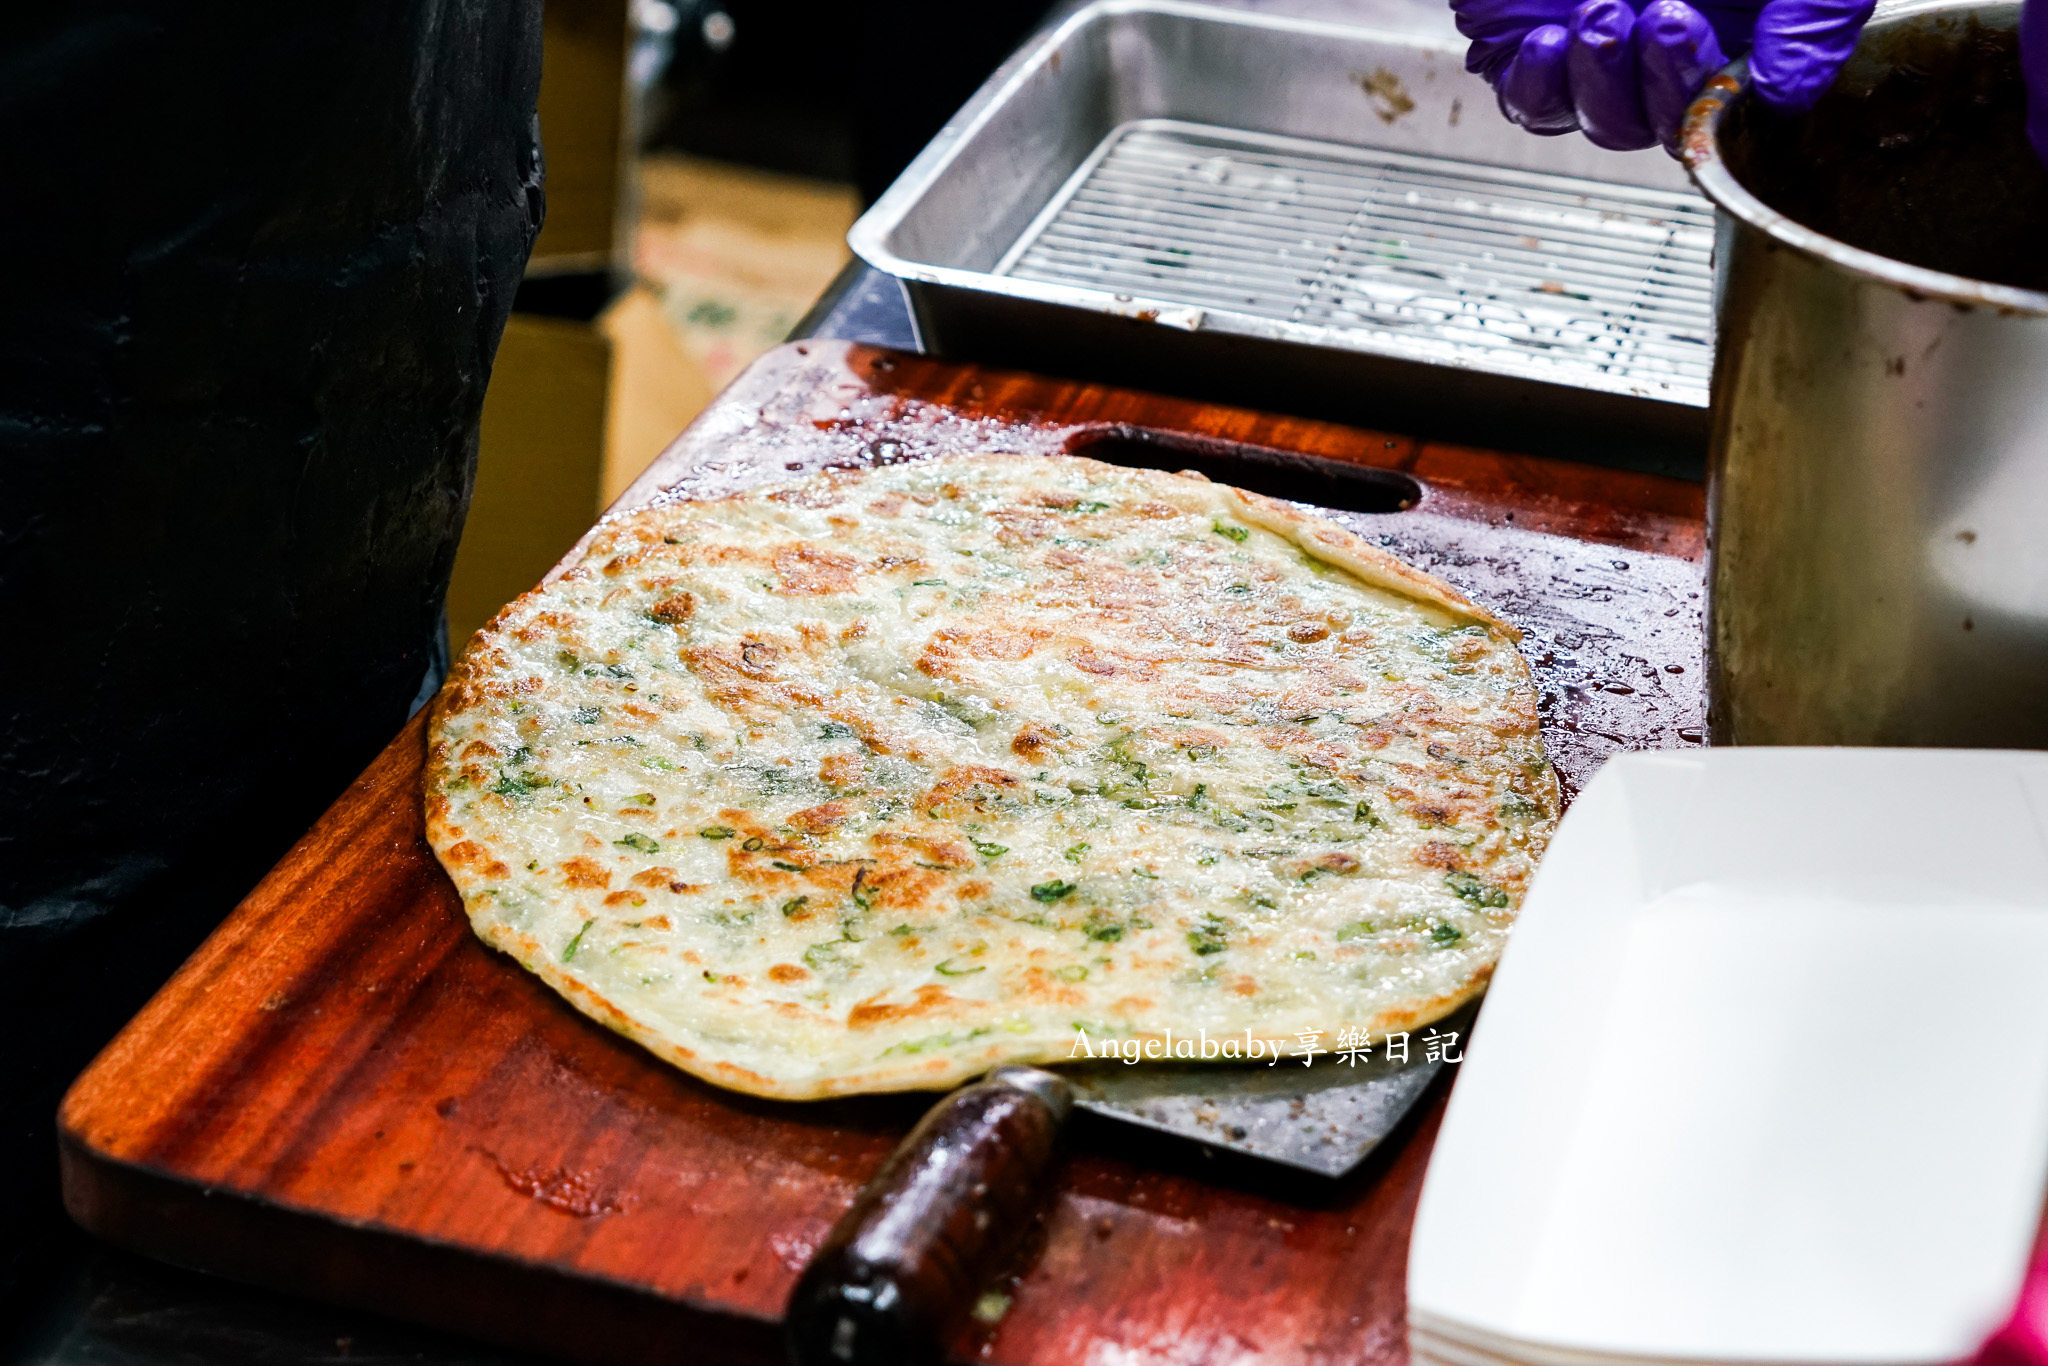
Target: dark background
(172, 419)
(845, 92)
(259, 260)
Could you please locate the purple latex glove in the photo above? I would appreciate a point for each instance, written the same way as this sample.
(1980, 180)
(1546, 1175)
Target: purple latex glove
(2034, 69)
(1625, 78)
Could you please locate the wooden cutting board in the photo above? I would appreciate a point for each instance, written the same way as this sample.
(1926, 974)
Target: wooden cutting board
(345, 1094)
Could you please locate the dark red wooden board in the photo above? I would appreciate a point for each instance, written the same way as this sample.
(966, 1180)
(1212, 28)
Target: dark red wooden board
(344, 1093)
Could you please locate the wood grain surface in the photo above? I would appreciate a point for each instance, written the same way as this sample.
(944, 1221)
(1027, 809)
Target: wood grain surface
(344, 1093)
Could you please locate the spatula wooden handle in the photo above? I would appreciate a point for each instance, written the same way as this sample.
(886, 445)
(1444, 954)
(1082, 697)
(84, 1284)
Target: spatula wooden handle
(903, 1266)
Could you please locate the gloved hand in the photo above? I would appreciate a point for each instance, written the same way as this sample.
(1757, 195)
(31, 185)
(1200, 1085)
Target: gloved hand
(2034, 70)
(1625, 78)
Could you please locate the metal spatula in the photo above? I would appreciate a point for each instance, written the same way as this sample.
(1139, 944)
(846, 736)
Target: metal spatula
(905, 1263)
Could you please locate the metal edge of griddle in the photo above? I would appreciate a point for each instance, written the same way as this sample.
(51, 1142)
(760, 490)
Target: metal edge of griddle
(1385, 393)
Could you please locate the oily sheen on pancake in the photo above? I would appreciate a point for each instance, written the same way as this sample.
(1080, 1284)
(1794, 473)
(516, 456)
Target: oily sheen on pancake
(872, 781)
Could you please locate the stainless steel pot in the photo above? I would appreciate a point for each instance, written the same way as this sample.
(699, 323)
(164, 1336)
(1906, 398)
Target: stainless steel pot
(1878, 473)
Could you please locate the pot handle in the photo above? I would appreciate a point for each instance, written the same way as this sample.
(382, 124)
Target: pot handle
(903, 1266)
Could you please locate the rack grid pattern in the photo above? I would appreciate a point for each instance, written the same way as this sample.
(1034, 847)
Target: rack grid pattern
(1455, 261)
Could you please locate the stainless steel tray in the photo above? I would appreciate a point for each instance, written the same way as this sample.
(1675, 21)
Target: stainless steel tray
(1322, 218)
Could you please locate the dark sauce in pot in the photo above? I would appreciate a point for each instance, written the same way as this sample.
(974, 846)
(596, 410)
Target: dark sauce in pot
(1925, 161)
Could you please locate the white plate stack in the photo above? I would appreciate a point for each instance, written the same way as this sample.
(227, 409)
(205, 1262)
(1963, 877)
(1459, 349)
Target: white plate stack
(1763, 1076)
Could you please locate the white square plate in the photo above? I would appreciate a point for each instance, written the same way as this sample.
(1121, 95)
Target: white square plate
(1763, 1076)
